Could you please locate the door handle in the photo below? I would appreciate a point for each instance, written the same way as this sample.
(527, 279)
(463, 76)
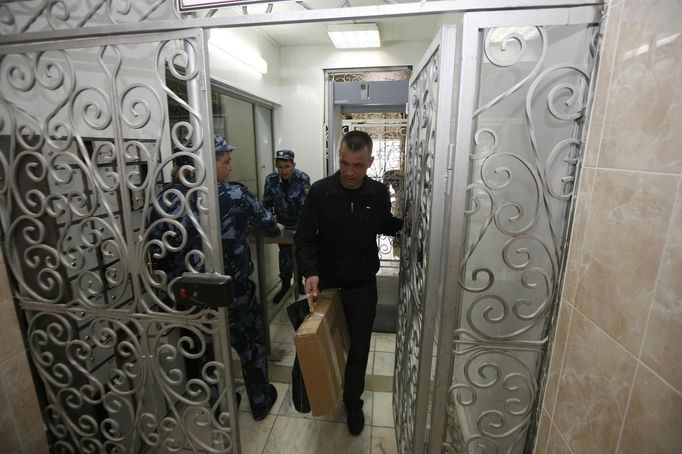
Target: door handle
(203, 289)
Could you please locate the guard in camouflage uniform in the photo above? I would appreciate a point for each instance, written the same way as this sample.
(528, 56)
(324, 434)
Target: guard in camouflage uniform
(284, 194)
(241, 215)
(170, 222)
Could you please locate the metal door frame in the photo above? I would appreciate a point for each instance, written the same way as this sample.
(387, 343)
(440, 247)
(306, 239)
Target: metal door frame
(382, 9)
(454, 240)
(133, 250)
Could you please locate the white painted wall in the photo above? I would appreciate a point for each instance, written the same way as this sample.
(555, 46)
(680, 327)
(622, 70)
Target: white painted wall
(235, 74)
(299, 122)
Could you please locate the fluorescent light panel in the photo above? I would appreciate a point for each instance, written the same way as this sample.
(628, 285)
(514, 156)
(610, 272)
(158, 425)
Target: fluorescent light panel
(354, 36)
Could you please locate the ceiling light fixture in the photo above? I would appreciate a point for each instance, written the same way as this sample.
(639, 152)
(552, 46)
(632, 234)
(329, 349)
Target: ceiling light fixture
(354, 36)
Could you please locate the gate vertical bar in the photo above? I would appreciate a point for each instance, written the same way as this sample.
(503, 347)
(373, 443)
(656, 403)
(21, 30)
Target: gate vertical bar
(455, 243)
(445, 128)
(431, 131)
(199, 98)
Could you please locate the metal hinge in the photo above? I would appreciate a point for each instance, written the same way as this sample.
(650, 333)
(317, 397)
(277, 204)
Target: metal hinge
(450, 165)
(202, 80)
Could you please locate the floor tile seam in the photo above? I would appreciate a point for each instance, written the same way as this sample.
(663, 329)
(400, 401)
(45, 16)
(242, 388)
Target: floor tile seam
(272, 428)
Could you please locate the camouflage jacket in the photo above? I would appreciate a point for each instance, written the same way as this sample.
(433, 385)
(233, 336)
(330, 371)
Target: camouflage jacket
(241, 215)
(286, 204)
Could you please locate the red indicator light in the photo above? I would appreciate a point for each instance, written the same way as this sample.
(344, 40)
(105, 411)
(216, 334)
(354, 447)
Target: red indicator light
(182, 293)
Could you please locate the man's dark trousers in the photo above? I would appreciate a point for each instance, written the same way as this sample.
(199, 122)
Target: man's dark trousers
(360, 308)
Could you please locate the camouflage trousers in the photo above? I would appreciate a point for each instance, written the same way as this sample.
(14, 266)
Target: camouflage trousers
(286, 262)
(246, 337)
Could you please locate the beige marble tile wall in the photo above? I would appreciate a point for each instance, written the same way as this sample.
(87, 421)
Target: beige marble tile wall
(21, 425)
(615, 381)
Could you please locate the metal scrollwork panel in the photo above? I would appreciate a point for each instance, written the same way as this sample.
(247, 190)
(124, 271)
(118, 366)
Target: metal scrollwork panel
(88, 203)
(25, 16)
(414, 245)
(126, 384)
(523, 166)
(491, 404)
(104, 201)
(533, 85)
(43, 15)
(400, 74)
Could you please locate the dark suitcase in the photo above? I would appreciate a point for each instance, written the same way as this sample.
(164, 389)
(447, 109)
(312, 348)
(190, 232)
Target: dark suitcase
(297, 312)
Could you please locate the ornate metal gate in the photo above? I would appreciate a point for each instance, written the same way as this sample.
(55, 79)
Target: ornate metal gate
(89, 228)
(426, 161)
(488, 201)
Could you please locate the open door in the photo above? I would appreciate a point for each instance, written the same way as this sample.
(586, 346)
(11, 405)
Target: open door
(94, 242)
(496, 124)
(430, 134)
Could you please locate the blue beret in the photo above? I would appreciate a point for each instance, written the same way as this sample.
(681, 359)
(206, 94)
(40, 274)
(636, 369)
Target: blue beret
(287, 155)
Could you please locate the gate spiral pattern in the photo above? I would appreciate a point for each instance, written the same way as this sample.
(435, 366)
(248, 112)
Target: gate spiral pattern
(518, 199)
(82, 172)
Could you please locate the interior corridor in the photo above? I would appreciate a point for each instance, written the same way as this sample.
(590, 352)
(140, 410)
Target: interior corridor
(286, 431)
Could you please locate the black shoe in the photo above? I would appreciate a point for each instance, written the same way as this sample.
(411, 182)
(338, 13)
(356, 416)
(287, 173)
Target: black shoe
(355, 421)
(282, 291)
(261, 416)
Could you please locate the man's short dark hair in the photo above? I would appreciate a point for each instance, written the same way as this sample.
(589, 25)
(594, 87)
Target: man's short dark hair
(357, 140)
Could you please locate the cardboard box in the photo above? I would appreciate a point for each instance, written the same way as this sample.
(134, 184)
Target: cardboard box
(322, 343)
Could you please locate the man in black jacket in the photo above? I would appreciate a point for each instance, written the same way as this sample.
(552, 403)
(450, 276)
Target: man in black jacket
(336, 246)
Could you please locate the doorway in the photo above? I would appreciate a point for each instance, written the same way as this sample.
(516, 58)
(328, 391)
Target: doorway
(374, 101)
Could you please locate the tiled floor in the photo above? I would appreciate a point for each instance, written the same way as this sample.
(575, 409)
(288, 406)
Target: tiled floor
(286, 431)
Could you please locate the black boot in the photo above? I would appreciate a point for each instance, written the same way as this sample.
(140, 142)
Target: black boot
(286, 285)
(355, 420)
(273, 398)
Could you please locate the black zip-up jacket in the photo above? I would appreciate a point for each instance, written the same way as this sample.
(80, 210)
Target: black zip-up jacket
(336, 235)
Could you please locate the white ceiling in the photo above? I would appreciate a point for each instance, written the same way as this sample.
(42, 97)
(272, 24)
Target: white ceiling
(411, 28)
(414, 28)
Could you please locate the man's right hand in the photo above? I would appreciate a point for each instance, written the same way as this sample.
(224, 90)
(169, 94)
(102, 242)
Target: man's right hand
(311, 288)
